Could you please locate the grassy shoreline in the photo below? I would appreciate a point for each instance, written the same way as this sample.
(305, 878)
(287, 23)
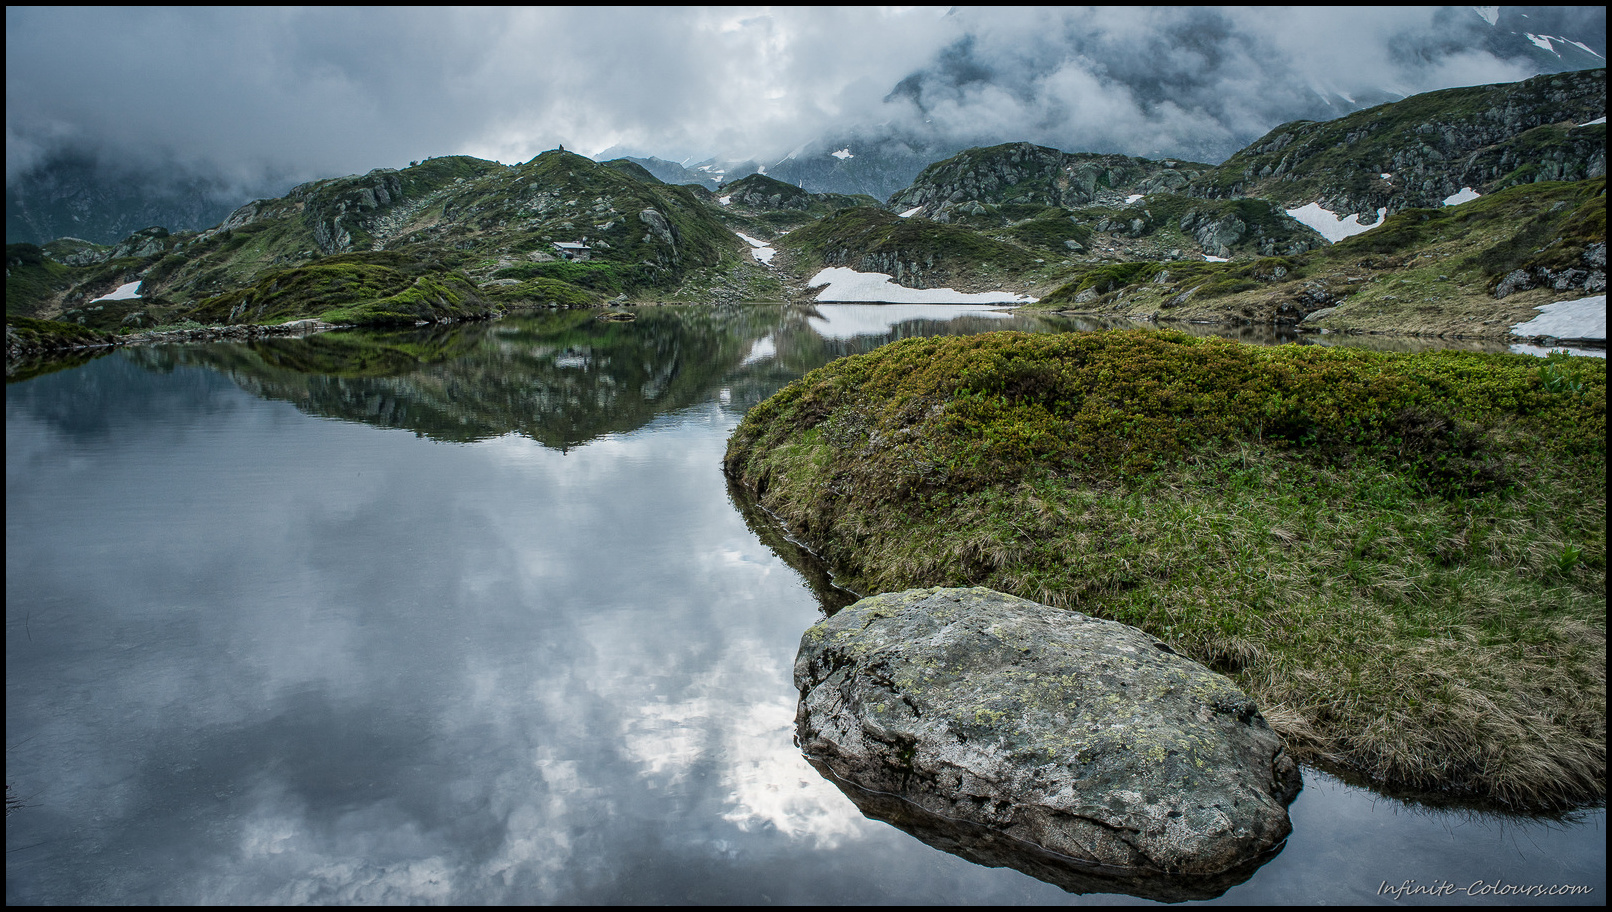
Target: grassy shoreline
(1401, 557)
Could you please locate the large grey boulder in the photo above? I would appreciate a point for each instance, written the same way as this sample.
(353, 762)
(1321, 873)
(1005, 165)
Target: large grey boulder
(1082, 739)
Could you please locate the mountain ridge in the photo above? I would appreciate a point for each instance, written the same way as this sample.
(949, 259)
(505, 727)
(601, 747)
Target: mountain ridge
(456, 237)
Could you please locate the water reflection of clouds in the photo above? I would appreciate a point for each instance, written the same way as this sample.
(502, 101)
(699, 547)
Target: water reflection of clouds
(760, 350)
(277, 659)
(766, 781)
(772, 785)
(415, 641)
(847, 321)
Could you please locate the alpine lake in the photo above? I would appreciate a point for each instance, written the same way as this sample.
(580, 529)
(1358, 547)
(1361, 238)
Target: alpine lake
(471, 615)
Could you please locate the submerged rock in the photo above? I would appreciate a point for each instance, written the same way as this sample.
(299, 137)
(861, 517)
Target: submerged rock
(1080, 738)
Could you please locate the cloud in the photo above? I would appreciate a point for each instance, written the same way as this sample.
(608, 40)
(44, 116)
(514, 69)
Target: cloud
(319, 91)
(1185, 81)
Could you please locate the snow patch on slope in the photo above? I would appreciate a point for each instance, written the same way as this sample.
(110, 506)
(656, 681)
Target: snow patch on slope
(761, 249)
(1328, 225)
(124, 293)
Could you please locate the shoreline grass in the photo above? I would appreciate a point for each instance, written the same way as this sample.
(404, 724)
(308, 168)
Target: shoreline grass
(1400, 557)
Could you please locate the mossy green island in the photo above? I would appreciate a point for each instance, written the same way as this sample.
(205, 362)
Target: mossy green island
(1400, 557)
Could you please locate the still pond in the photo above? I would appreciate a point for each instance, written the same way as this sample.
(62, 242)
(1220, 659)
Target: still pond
(472, 616)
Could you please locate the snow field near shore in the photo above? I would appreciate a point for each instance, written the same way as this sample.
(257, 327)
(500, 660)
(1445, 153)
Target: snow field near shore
(1581, 318)
(847, 285)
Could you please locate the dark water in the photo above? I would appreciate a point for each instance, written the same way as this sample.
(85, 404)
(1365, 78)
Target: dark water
(470, 617)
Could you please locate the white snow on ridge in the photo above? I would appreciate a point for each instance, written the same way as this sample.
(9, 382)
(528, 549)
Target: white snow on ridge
(1214, 259)
(124, 293)
(911, 212)
(1329, 226)
(1490, 14)
(1543, 41)
(725, 200)
(1463, 195)
(1582, 318)
(1132, 198)
(1583, 47)
(843, 154)
(1601, 119)
(845, 284)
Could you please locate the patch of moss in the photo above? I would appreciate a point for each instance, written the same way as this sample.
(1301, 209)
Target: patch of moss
(542, 292)
(366, 288)
(1400, 557)
(32, 279)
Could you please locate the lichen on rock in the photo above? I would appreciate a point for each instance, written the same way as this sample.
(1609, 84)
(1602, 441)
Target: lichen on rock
(1081, 737)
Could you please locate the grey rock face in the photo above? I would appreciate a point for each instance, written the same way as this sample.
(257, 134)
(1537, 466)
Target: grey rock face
(245, 215)
(1214, 235)
(143, 243)
(1081, 737)
(332, 237)
(659, 228)
(1027, 173)
(77, 252)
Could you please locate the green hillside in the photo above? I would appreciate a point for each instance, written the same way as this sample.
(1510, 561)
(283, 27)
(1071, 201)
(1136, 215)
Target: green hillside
(1429, 146)
(1473, 269)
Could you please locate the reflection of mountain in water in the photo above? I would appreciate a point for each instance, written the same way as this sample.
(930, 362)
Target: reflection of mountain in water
(994, 849)
(561, 378)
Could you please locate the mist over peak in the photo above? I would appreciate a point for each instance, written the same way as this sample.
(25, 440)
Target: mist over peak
(246, 101)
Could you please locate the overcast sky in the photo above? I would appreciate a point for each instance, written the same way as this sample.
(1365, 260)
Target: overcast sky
(317, 92)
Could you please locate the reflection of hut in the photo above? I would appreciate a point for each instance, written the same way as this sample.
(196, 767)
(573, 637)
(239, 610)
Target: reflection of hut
(572, 250)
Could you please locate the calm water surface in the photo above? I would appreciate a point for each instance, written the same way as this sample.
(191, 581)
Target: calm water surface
(471, 617)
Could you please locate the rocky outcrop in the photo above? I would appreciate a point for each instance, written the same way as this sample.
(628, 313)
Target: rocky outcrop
(1214, 235)
(338, 210)
(1223, 233)
(1027, 173)
(760, 192)
(1080, 737)
(1589, 277)
(146, 242)
(70, 251)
